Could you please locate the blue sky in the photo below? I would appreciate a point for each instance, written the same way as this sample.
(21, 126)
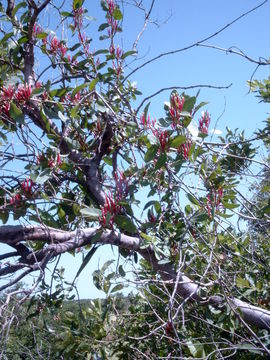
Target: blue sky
(182, 23)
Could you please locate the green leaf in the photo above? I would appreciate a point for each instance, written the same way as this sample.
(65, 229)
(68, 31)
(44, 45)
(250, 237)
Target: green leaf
(177, 141)
(103, 26)
(106, 265)
(161, 160)
(117, 14)
(74, 112)
(79, 88)
(77, 4)
(45, 120)
(125, 224)
(145, 111)
(155, 203)
(42, 35)
(242, 283)
(93, 84)
(91, 213)
(4, 217)
(43, 177)
(228, 205)
(189, 103)
(151, 153)
(101, 51)
(117, 288)
(86, 260)
(192, 199)
(121, 271)
(129, 53)
(67, 14)
(16, 113)
(20, 5)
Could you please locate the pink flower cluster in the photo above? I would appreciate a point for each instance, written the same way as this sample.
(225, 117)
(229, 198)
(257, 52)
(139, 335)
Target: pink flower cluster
(204, 122)
(113, 24)
(117, 65)
(55, 46)
(176, 108)
(111, 208)
(37, 29)
(163, 137)
(184, 149)
(214, 200)
(112, 205)
(78, 17)
(27, 189)
(122, 185)
(21, 95)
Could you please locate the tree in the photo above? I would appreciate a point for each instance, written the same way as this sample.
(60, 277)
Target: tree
(82, 153)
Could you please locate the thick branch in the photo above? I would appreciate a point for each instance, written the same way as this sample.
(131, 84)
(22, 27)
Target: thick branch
(62, 241)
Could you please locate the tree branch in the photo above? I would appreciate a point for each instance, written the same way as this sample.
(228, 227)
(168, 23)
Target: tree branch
(60, 241)
(197, 42)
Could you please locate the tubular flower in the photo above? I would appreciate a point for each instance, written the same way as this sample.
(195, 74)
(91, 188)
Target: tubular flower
(27, 187)
(122, 185)
(146, 123)
(78, 17)
(176, 108)
(204, 122)
(57, 47)
(24, 93)
(6, 97)
(16, 200)
(214, 200)
(163, 138)
(111, 208)
(184, 149)
(37, 29)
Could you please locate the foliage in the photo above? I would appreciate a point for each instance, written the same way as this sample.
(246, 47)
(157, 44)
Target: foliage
(85, 154)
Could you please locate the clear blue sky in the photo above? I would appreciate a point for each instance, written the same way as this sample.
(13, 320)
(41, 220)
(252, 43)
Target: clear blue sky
(182, 23)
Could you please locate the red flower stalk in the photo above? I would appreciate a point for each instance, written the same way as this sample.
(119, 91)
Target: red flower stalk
(27, 186)
(57, 47)
(110, 207)
(8, 93)
(184, 149)
(176, 108)
(24, 93)
(111, 7)
(204, 122)
(78, 17)
(163, 137)
(16, 200)
(37, 29)
(122, 185)
(214, 199)
(112, 49)
(145, 122)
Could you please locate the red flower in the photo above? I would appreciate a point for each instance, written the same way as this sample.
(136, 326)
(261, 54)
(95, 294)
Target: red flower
(184, 149)
(111, 7)
(204, 122)
(163, 137)
(16, 200)
(176, 108)
(27, 186)
(37, 29)
(51, 163)
(23, 93)
(122, 185)
(110, 207)
(214, 200)
(57, 47)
